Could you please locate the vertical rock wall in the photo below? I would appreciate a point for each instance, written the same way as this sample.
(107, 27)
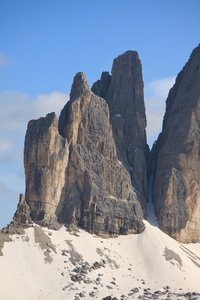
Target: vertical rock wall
(73, 174)
(176, 191)
(90, 168)
(45, 160)
(123, 92)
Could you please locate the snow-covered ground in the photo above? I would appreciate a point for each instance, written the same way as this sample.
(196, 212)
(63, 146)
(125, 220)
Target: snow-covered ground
(41, 264)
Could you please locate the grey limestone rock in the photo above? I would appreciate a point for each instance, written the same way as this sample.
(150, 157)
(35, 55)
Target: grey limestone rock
(177, 152)
(45, 160)
(123, 91)
(72, 170)
(99, 193)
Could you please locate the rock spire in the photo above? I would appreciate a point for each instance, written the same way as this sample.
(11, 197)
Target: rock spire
(90, 168)
(73, 174)
(123, 92)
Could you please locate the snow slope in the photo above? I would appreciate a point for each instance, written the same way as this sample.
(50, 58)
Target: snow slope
(151, 260)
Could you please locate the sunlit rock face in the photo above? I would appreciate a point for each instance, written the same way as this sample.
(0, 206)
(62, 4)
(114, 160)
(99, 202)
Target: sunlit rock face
(73, 174)
(45, 160)
(123, 92)
(176, 190)
(99, 194)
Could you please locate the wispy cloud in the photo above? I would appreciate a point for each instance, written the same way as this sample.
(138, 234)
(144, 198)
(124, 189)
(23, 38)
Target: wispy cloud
(18, 108)
(156, 93)
(4, 60)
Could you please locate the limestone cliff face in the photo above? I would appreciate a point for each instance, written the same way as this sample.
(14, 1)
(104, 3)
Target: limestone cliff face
(45, 161)
(90, 168)
(99, 193)
(176, 191)
(123, 92)
(73, 174)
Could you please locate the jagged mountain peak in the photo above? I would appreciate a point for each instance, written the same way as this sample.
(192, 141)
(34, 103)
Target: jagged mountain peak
(73, 173)
(123, 91)
(79, 86)
(91, 168)
(182, 94)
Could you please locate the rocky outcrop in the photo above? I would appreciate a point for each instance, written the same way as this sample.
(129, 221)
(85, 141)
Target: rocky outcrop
(99, 194)
(176, 191)
(123, 92)
(90, 167)
(72, 170)
(23, 212)
(45, 160)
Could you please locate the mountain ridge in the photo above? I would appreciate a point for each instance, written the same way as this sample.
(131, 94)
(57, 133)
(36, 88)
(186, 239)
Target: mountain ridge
(88, 178)
(91, 167)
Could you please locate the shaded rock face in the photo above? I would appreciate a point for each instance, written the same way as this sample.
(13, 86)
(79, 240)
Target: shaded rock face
(73, 174)
(123, 92)
(176, 190)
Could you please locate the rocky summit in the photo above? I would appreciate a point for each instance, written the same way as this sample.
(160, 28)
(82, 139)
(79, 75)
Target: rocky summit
(90, 168)
(177, 174)
(73, 172)
(99, 193)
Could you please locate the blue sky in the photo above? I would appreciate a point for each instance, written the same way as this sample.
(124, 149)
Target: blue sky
(44, 43)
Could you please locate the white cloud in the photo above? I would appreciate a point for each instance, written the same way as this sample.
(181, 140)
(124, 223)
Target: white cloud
(17, 109)
(156, 93)
(48, 103)
(160, 87)
(4, 61)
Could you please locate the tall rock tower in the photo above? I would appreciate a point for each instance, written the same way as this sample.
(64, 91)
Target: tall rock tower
(176, 190)
(123, 92)
(45, 160)
(73, 174)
